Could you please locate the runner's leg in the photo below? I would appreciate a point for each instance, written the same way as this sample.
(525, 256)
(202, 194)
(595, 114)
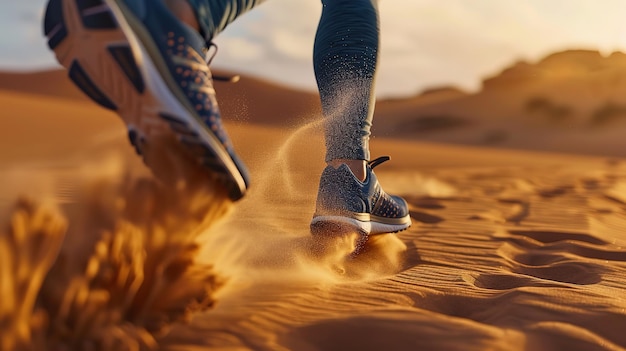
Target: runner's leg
(345, 58)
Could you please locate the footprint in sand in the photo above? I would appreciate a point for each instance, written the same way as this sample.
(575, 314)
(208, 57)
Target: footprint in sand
(425, 218)
(550, 192)
(514, 211)
(580, 273)
(557, 255)
(546, 236)
(428, 203)
(497, 281)
(538, 243)
(518, 210)
(424, 203)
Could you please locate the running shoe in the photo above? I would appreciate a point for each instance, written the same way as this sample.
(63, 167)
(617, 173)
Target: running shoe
(136, 58)
(345, 203)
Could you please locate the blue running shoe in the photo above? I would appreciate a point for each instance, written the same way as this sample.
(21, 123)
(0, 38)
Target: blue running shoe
(136, 58)
(345, 203)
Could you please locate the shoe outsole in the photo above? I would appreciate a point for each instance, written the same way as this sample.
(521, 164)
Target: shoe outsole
(124, 57)
(82, 80)
(95, 14)
(94, 41)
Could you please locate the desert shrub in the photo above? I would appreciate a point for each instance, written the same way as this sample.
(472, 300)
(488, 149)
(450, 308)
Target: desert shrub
(140, 275)
(538, 105)
(493, 137)
(543, 107)
(608, 113)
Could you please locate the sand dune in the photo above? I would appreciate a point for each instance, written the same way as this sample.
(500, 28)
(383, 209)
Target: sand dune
(504, 258)
(510, 250)
(250, 100)
(570, 101)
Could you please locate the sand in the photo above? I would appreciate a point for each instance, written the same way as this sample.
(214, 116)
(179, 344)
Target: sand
(509, 250)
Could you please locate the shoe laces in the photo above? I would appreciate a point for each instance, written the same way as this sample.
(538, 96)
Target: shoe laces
(377, 161)
(209, 56)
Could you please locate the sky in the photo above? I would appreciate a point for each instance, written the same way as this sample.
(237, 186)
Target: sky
(424, 43)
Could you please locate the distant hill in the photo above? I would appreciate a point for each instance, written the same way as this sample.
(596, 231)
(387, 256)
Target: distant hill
(251, 99)
(571, 101)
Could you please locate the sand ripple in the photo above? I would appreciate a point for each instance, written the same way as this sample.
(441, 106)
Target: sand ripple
(517, 260)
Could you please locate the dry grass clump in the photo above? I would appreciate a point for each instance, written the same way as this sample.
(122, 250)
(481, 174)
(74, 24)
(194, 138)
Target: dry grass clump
(122, 271)
(27, 251)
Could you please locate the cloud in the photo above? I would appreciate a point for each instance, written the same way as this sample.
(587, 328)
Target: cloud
(285, 30)
(427, 42)
(461, 42)
(22, 44)
(244, 50)
(423, 42)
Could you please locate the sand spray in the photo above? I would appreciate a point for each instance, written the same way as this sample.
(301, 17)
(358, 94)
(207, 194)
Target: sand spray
(112, 258)
(268, 236)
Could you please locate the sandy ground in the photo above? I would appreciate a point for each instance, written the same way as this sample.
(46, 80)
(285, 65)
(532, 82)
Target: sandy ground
(509, 250)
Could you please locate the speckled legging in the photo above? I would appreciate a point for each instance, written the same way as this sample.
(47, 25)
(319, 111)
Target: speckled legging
(345, 56)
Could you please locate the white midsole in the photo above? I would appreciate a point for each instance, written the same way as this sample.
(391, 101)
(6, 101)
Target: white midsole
(369, 227)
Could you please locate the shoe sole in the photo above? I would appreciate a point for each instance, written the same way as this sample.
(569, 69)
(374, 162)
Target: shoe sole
(111, 57)
(321, 225)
